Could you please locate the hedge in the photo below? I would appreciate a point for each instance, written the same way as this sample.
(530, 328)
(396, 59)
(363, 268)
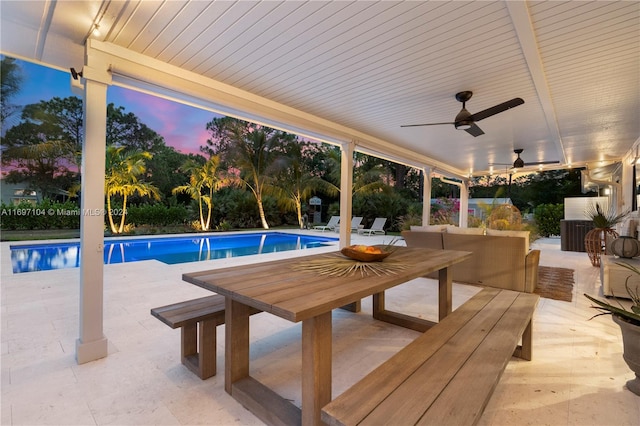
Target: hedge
(43, 215)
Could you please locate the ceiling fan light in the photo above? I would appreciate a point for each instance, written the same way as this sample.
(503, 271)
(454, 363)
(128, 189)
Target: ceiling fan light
(463, 119)
(463, 125)
(519, 163)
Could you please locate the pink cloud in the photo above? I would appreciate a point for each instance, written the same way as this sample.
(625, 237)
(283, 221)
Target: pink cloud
(183, 127)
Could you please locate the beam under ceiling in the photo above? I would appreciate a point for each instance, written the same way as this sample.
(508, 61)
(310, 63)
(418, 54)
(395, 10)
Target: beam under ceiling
(521, 19)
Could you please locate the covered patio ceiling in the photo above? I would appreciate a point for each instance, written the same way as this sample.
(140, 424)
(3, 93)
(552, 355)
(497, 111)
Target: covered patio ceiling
(355, 71)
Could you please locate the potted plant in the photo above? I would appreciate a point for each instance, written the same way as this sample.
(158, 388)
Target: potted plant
(629, 322)
(597, 239)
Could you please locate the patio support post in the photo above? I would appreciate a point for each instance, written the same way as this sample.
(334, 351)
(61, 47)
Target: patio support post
(346, 192)
(92, 344)
(464, 204)
(426, 196)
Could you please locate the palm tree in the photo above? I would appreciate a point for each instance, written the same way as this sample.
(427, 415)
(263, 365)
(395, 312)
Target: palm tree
(254, 151)
(367, 175)
(123, 169)
(296, 181)
(203, 178)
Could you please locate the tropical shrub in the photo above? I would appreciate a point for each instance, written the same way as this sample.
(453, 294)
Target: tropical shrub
(475, 222)
(413, 217)
(43, 215)
(381, 204)
(237, 207)
(157, 215)
(547, 217)
(445, 211)
(409, 220)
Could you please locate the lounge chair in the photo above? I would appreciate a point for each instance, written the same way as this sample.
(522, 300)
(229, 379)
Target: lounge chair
(376, 228)
(355, 223)
(331, 225)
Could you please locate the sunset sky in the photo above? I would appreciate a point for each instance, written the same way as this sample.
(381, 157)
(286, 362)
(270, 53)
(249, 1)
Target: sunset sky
(182, 126)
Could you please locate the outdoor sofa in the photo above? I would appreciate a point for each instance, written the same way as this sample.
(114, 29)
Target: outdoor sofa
(501, 259)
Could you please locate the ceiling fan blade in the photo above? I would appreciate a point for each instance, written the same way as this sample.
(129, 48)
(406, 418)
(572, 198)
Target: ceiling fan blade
(474, 130)
(496, 109)
(427, 124)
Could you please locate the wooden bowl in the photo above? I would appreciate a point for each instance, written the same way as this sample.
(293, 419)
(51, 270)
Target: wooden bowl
(363, 256)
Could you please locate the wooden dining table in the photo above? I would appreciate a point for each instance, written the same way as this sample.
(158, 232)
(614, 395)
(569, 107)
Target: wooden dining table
(291, 289)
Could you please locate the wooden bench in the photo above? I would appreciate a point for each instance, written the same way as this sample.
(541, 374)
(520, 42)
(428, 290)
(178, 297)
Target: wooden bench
(447, 375)
(197, 319)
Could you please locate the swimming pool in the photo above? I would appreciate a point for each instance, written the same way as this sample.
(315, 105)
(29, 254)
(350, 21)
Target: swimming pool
(170, 250)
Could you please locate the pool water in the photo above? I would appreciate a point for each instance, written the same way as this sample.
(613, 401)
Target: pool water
(171, 250)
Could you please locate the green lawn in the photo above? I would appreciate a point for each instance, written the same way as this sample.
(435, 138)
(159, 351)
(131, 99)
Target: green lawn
(47, 234)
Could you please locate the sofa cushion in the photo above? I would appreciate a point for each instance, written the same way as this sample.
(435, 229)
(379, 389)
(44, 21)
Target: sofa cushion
(465, 231)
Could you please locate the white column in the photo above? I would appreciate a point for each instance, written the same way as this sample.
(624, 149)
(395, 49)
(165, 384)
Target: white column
(464, 204)
(346, 192)
(92, 344)
(426, 196)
